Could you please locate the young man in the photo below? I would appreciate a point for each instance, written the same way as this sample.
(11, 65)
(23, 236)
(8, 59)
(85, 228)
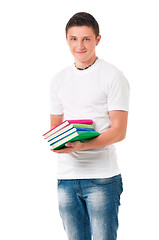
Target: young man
(89, 179)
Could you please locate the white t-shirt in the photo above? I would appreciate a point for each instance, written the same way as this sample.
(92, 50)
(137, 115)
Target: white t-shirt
(89, 94)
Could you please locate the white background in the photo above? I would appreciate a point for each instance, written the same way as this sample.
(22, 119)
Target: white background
(32, 50)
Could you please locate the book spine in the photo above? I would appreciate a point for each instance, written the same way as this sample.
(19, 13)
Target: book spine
(81, 121)
(85, 129)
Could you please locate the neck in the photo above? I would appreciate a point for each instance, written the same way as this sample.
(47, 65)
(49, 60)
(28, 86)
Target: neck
(84, 65)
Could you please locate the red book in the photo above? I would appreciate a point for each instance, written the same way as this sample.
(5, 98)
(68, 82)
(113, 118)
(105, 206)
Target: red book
(66, 123)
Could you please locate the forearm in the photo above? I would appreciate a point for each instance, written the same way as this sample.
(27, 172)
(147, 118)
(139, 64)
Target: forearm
(55, 120)
(114, 134)
(109, 137)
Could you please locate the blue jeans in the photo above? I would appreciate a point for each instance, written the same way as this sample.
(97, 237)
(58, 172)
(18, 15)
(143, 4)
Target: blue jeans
(89, 207)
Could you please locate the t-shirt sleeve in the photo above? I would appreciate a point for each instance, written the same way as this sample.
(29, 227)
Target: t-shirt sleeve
(118, 93)
(55, 104)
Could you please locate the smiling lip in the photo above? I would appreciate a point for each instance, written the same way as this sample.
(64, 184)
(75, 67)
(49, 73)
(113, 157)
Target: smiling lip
(81, 52)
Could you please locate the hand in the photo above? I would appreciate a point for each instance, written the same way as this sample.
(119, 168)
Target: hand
(69, 147)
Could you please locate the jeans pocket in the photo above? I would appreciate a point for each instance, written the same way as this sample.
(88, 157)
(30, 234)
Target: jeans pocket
(119, 186)
(121, 182)
(59, 181)
(103, 181)
(119, 189)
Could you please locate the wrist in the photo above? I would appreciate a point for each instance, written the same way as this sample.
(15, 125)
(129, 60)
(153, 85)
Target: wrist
(83, 146)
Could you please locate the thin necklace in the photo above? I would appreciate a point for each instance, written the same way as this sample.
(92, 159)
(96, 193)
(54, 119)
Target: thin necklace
(86, 67)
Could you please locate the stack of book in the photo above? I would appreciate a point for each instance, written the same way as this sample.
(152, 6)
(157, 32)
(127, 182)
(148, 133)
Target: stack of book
(70, 131)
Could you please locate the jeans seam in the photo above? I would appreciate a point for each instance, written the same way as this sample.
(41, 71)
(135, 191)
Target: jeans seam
(114, 190)
(115, 205)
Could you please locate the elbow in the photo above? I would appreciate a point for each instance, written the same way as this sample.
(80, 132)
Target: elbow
(122, 136)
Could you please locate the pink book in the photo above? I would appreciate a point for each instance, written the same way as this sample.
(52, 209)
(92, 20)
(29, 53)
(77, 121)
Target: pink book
(81, 121)
(66, 123)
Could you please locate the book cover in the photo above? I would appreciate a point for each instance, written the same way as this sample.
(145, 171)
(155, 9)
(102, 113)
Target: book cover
(84, 135)
(82, 125)
(81, 136)
(66, 123)
(81, 121)
(70, 126)
(84, 129)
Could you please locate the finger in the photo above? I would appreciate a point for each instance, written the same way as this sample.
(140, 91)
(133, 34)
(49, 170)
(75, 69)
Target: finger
(69, 144)
(60, 151)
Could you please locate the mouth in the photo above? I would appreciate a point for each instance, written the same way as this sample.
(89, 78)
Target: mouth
(80, 52)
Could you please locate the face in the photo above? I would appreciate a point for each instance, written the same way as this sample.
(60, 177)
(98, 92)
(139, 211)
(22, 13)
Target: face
(82, 42)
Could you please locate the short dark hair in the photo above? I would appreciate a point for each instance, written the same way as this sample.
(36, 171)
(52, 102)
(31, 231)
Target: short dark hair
(83, 19)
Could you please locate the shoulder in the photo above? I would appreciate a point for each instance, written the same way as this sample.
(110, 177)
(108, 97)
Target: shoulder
(111, 75)
(109, 68)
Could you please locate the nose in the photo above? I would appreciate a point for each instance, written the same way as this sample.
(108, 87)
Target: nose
(80, 45)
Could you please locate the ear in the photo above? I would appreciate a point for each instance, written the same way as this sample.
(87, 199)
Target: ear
(98, 39)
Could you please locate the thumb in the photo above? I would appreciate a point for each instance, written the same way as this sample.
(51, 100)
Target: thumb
(68, 144)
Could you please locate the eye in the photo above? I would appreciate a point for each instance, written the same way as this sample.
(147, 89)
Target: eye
(86, 39)
(73, 38)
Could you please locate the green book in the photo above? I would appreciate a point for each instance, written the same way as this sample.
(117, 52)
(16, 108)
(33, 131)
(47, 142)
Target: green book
(76, 136)
(82, 125)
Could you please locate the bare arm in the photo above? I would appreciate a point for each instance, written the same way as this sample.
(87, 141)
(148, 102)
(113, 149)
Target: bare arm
(115, 133)
(55, 120)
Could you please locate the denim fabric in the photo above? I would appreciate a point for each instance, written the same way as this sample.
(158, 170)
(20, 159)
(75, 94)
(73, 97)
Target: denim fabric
(89, 207)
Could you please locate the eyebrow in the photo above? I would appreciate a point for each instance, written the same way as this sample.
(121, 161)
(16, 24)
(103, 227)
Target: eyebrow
(83, 36)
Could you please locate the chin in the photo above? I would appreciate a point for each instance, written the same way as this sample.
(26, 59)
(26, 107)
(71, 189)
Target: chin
(81, 58)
